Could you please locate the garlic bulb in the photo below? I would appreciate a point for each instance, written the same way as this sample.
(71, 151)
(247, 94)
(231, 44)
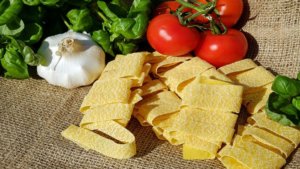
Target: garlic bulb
(71, 60)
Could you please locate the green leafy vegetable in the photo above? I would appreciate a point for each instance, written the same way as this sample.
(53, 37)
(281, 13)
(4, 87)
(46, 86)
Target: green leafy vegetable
(80, 19)
(32, 34)
(283, 104)
(126, 47)
(285, 86)
(296, 102)
(102, 38)
(14, 64)
(9, 10)
(122, 32)
(13, 28)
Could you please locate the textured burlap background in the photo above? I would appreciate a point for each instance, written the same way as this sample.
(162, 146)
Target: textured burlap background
(33, 113)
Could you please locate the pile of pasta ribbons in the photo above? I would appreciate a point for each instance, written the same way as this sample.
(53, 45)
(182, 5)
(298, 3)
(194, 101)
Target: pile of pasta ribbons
(187, 102)
(262, 143)
(108, 107)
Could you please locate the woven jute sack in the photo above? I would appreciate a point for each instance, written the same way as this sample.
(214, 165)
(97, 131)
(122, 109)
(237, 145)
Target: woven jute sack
(33, 113)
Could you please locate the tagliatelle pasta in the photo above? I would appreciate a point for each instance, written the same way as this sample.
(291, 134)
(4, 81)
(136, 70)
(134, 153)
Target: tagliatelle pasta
(213, 95)
(108, 107)
(244, 154)
(237, 67)
(204, 116)
(187, 102)
(289, 133)
(268, 140)
(262, 143)
(90, 140)
(256, 80)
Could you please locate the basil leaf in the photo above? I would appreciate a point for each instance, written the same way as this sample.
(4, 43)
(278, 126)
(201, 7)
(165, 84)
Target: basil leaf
(296, 102)
(280, 118)
(124, 26)
(286, 86)
(274, 114)
(9, 10)
(102, 38)
(14, 64)
(80, 19)
(13, 28)
(126, 47)
(139, 6)
(32, 33)
(140, 26)
(291, 111)
(124, 5)
(30, 57)
(119, 7)
(103, 6)
(277, 101)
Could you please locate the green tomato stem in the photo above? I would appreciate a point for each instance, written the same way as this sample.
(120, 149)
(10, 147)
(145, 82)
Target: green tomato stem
(204, 9)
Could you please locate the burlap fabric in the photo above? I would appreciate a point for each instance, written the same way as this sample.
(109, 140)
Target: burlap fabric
(33, 113)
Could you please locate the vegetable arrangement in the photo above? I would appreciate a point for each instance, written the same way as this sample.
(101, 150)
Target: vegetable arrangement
(283, 104)
(117, 26)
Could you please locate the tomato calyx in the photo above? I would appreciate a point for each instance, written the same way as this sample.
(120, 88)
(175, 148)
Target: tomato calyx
(204, 9)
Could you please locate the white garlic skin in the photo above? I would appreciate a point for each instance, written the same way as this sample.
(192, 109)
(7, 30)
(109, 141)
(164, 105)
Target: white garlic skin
(72, 69)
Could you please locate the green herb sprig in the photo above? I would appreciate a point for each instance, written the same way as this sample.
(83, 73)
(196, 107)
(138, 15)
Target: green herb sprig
(283, 104)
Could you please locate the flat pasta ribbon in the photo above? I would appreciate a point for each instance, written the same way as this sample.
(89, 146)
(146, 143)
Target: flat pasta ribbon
(200, 119)
(256, 80)
(108, 107)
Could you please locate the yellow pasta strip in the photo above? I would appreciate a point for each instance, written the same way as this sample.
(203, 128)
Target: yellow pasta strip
(256, 77)
(137, 80)
(185, 71)
(218, 119)
(153, 86)
(169, 61)
(289, 133)
(117, 111)
(218, 97)
(214, 74)
(163, 103)
(103, 93)
(245, 154)
(130, 65)
(237, 67)
(196, 148)
(205, 131)
(108, 108)
(256, 100)
(90, 140)
(269, 139)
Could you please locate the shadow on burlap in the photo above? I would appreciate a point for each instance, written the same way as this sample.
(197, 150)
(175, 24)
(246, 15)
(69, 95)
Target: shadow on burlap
(33, 113)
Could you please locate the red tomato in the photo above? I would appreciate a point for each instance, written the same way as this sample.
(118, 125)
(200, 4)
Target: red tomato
(168, 7)
(166, 35)
(230, 11)
(220, 50)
